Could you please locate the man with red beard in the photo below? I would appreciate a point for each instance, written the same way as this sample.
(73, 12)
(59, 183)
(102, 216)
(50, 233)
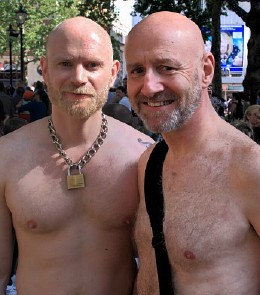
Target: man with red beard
(207, 239)
(68, 183)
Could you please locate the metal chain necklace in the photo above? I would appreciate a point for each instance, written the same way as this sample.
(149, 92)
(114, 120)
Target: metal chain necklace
(77, 180)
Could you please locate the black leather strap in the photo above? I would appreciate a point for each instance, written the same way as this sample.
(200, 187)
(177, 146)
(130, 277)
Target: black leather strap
(155, 209)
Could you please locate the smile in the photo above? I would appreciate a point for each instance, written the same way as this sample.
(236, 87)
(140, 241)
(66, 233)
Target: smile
(159, 103)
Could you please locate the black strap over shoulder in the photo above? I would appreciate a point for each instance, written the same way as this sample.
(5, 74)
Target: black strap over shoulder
(155, 208)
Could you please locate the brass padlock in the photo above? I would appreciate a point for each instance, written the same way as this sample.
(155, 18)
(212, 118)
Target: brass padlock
(75, 180)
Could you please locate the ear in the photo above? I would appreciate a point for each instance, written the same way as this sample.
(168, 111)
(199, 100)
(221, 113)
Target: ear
(43, 63)
(114, 71)
(208, 69)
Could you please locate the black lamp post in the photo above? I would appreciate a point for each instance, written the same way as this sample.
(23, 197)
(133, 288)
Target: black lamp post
(11, 35)
(21, 16)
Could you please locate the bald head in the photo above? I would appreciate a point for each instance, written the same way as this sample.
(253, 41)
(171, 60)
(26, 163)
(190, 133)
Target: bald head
(80, 27)
(166, 23)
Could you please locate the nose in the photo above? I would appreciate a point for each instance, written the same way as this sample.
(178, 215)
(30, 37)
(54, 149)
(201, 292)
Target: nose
(152, 83)
(80, 75)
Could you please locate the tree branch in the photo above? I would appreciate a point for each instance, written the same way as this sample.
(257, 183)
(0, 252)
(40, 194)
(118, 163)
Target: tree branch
(234, 6)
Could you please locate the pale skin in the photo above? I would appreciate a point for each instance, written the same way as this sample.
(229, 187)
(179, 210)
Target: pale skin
(75, 242)
(211, 172)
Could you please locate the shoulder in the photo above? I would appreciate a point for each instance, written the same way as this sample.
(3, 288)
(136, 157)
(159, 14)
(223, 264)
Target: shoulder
(125, 131)
(19, 138)
(244, 168)
(127, 138)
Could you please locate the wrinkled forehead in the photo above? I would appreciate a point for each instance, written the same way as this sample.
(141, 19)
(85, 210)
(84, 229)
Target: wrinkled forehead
(177, 45)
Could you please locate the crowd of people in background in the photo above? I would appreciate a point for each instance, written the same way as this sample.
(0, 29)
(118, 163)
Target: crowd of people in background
(22, 104)
(239, 113)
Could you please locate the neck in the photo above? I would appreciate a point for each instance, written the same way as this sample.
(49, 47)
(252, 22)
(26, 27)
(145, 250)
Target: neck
(90, 152)
(74, 131)
(192, 136)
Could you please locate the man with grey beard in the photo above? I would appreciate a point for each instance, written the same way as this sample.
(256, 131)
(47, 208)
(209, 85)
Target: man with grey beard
(203, 206)
(68, 183)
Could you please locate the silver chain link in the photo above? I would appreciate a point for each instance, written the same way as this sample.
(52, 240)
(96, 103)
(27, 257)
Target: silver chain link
(91, 151)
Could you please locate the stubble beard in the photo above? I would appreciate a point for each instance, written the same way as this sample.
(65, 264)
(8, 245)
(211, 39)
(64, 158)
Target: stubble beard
(79, 109)
(165, 121)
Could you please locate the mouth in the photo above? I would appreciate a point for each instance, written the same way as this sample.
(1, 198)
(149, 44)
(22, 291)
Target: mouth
(158, 103)
(79, 95)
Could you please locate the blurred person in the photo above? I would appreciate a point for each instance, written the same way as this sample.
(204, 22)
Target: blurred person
(244, 127)
(121, 97)
(119, 112)
(35, 107)
(21, 109)
(6, 101)
(2, 117)
(258, 97)
(252, 115)
(12, 124)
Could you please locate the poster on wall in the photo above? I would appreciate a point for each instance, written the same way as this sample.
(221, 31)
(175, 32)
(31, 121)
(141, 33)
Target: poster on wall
(231, 49)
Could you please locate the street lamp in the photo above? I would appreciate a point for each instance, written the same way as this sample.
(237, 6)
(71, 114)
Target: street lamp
(12, 34)
(21, 16)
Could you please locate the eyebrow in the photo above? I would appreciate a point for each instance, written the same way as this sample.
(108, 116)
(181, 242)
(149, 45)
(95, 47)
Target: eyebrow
(157, 60)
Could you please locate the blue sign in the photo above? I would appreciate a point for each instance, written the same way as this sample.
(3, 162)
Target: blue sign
(231, 48)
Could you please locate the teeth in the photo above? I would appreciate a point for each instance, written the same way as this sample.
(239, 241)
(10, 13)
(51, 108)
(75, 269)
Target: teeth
(158, 103)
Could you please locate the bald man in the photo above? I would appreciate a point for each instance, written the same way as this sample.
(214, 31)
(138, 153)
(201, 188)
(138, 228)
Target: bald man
(68, 183)
(209, 180)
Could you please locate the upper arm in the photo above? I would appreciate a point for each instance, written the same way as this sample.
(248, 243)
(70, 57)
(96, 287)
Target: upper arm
(6, 237)
(141, 169)
(252, 193)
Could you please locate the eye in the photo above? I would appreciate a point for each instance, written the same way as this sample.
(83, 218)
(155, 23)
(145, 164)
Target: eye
(65, 63)
(163, 68)
(92, 66)
(137, 71)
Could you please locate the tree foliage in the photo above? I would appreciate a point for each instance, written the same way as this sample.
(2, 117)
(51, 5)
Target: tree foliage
(43, 15)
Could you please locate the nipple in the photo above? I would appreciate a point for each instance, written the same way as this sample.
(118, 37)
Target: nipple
(127, 221)
(31, 224)
(189, 255)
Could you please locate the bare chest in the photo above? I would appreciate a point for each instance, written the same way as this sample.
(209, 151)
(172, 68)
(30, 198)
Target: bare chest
(203, 217)
(40, 200)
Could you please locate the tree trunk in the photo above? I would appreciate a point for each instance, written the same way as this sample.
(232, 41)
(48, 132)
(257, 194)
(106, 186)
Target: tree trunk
(251, 82)
(216, 12)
